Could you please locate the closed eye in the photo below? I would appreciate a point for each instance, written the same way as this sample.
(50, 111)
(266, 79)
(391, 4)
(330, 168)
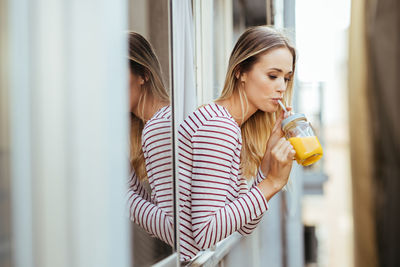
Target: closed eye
(273, 77)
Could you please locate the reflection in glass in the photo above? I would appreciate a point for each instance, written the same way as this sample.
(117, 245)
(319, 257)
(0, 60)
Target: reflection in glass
(150, 196)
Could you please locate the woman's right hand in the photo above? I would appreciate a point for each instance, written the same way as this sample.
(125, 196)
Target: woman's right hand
(275, 136)
(280, 165)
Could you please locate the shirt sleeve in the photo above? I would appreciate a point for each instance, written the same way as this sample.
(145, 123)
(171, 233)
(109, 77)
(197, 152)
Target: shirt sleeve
(149, 216)
(259, 177)
(136, 186)
(213, 218)
(248, 228)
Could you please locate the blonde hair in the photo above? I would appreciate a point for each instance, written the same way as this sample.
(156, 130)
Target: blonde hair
(256, 130)
(143, 62)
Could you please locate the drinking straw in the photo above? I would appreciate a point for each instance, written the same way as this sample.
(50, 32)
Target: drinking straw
(283, 107)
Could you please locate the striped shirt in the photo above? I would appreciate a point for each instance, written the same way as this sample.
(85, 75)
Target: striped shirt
(214, 199)
(154, 211)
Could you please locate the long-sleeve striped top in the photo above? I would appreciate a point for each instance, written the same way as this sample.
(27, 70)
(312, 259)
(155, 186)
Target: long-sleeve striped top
(154, 212)
(215, 200)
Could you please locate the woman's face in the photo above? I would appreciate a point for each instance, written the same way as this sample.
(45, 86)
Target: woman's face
(267, 80)
(135, 84)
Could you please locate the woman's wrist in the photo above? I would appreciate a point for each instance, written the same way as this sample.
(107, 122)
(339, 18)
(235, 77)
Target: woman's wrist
(264, 166)
(268, 188)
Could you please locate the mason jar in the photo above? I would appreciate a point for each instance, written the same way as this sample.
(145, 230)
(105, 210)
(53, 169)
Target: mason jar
(300, 134)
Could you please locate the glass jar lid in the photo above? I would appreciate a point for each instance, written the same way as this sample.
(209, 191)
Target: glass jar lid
(293, 117)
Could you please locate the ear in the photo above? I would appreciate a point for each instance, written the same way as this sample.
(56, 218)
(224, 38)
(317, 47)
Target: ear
(141, 80)
(237, 75)
(146, 76)
(133, 78)
(243, 77)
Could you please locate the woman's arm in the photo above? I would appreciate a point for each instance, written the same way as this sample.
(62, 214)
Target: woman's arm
(275, 136)
(155, 213)
(157, 152)
(214, 150)
(150, 217)
(252, 225)
(281, 162)
(280, 166)
(215, 156)
(259, 176)
(136, 186)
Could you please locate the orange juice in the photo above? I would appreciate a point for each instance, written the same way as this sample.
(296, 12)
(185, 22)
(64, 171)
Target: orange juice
(308, 149)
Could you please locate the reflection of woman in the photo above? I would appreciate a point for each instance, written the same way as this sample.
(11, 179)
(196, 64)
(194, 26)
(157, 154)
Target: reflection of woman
(223, 144)
(150, 136)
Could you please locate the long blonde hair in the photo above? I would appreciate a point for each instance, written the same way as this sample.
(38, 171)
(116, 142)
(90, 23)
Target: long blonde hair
(256, 130)
(143, 62)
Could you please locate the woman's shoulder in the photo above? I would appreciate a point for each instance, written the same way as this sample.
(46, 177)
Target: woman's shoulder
(159, 122)
(212, 118)
(161, 115)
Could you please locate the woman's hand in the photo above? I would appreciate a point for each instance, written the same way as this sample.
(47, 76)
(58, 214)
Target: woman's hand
(274, 137)
(280, 165)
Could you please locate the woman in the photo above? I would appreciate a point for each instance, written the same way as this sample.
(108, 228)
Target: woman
(224, 144)
(150, 139)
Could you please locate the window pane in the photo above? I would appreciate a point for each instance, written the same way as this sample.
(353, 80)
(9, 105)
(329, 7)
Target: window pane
(150, 194)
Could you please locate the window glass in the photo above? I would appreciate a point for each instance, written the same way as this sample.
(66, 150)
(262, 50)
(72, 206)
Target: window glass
(150, 188)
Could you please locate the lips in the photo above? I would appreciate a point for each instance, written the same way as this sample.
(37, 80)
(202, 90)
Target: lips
(275, 100)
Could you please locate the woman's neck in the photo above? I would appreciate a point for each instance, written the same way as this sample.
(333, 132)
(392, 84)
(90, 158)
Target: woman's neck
(234, 107)
(150, 107)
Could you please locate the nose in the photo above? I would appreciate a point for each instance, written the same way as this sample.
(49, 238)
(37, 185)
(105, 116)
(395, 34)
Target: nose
(281, 87)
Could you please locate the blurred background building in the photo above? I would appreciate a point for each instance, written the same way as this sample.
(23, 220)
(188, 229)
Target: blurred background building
(63, 128)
